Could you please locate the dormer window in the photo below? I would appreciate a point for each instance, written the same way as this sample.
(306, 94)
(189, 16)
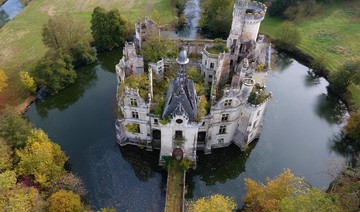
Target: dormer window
(133, 102)
(228, 102)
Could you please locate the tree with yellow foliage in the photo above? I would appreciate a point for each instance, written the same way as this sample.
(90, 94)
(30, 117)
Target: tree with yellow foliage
(41, 158)
(286, 193)
(213, 203)
(64, 201)
(3, 79)
(28, 81)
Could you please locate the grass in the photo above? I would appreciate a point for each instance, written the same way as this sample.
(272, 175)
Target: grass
(174, 190)
(21, 46)
(334, 33)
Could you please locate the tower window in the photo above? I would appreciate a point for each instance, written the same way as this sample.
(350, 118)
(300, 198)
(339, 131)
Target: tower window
(133, 102)
(225, 117)
(222, 129)
(228, 102)
(135, 115)
(212, 65)
(137, 128)
(220, 140)
(156, 121)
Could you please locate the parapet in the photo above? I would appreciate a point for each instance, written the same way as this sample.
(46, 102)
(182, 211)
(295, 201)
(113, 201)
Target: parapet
(255, 12)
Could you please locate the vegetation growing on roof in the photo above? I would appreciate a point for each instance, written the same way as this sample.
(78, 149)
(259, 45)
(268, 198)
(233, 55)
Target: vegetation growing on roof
(141, 82)
(257, 95)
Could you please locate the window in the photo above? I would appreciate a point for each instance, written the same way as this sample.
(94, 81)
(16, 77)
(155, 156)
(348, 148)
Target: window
(205, 62)
(220, 140)
(210, 76)
(225, 117)
(211, 65)
(137, 128)
(133, 102)
(254, 124)
(228, 102)
(258, 113)
(203, 124)
(178, 134)
(135, 115)
(222, 129)
(156, 121)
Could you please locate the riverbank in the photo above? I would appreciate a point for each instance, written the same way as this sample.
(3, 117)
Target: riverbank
(21, 44)
(333, 33)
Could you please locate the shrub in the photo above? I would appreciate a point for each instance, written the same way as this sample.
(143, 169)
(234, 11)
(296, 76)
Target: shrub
(28, 81)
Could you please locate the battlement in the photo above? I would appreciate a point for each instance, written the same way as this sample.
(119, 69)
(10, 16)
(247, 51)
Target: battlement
(255, 12)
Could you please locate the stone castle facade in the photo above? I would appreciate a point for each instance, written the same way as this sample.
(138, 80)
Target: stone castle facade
(237, 99)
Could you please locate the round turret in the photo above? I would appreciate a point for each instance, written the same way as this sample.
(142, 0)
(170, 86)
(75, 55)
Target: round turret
(247, 87)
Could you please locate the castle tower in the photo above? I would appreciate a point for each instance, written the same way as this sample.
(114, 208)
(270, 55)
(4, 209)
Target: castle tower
(237, 23)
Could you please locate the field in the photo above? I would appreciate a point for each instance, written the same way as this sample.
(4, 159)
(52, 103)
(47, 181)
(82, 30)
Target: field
(21, 45)
(333, 33)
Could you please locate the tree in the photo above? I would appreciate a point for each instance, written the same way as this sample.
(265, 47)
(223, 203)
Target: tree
(108, 29)
(21, 198)
(54, 72)
(7, 180)
(340, 80)
(352, 128)
(287, 36)
(68, 182)
(313, 200)
(14, 129)
(41, 158)
(3, 79)
(216, 18)
(213, 203)
(156, 47)
(260, 197)
(28, 81)
(65, 34)
(64, 201)
(286, 193)
(5, 156)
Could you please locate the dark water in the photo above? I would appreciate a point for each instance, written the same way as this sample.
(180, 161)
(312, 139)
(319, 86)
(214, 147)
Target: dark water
(299, 128)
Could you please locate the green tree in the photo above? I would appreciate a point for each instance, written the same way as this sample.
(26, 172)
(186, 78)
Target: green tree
(352, 127)
(28, 81)
(7, 180)
(54, 72)
(14, 129)
(65, 34)
(108, 29)
(41, 158)
(5, 156)
(156, 47)
(65, 201)
(340, 80)
(213, 203)
(3, 79)
(287, 36)
(312, 200)
(216, 18)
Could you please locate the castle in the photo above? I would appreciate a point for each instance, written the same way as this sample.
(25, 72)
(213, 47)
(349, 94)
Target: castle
(182, 121)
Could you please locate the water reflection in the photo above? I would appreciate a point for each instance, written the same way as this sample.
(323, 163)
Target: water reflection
(330, 108)
(86, 78)
(344, 146)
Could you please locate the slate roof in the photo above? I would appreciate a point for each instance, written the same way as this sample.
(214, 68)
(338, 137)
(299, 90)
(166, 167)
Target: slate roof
(181, 95)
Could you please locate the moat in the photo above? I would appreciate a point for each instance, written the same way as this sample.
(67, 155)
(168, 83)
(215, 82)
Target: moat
(300, 126)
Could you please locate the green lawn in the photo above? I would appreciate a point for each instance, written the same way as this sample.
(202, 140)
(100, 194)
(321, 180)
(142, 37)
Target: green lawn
(21, 46)
(334, 32)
